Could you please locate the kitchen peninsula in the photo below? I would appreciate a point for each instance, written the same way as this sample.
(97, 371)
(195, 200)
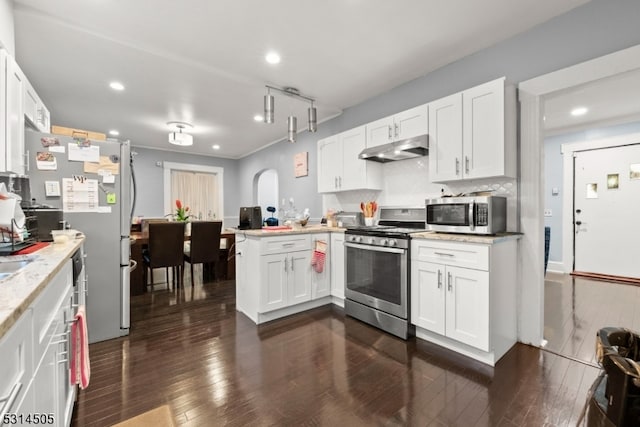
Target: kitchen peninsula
(274, 275)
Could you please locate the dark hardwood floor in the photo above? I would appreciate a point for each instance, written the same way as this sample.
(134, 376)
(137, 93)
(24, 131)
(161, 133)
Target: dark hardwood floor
(577, 307)
(191, 350)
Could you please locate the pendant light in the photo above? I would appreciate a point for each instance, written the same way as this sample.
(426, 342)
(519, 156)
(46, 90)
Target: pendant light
(313, 118)
(179, 138)
(268, 107)
(292, 128)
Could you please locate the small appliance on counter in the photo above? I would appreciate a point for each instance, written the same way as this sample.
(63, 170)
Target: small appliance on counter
(250, 218)
(48, 220)
(347, 219)
(467, 214)
(271, 221)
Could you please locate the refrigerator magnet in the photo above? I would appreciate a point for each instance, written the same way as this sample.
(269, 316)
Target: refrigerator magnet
(111, 198)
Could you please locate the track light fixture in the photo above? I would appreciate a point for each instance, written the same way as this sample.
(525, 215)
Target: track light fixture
(292, 125)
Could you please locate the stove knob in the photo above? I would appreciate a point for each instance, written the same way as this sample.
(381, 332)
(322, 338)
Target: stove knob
(383, 242)
(359, 239)
(352, 238)
(371, 240)
(392, 242)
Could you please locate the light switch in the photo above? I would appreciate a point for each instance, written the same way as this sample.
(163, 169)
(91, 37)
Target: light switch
(547, 212)
(555, 191)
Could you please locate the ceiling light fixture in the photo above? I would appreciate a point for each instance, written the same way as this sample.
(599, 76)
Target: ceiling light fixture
(215, 146)
(179, 138)
(292, 125)
(579, 111)
(292, 128)
(272, 58)
(116, 86)
(114, 132)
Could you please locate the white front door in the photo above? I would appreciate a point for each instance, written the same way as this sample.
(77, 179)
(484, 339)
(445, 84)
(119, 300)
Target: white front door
(607, 211)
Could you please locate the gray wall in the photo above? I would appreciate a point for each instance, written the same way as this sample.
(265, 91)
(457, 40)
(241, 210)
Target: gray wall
(553, 176)
(587, 32)
(150, 179)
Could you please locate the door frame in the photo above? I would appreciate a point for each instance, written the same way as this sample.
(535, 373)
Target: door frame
(531, 95)
(568, 151)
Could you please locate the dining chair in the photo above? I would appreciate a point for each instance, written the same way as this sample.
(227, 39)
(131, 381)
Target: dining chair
(144, 223)
(205, 245)
(166, 242)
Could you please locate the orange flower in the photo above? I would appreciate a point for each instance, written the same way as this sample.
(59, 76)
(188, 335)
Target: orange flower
(181, 212)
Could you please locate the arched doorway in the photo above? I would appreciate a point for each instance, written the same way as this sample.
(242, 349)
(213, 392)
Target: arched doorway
(265, 190)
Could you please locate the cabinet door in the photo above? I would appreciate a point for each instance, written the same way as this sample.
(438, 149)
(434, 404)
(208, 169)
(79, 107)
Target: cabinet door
(299, 277)
(445, 138)
(354, 173)
(329, 164)
(321, 282)
(337, 265)
(483, 131)
(380, 132)
(15, 119)
(428, 296)
(4, 57)
(45, 383)
(273, 290)
(412, 122)
(467, 306)
(30, 103)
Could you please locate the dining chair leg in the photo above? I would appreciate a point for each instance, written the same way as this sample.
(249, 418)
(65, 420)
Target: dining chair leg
(191, 264)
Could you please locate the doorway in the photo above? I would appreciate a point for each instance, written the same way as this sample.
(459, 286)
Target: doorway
(265, 191)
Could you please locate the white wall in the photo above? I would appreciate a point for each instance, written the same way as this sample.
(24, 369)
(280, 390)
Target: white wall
(7, 37)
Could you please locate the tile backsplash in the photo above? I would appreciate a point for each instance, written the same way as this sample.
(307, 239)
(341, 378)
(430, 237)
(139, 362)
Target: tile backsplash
(406, 183)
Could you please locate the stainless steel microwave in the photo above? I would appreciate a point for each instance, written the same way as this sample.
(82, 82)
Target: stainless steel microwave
(473, 215)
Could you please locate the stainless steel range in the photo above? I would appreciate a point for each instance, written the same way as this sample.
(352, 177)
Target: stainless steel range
(377, 269)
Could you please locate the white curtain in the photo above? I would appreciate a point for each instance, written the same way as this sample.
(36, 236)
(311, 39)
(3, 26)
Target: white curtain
(198, 191)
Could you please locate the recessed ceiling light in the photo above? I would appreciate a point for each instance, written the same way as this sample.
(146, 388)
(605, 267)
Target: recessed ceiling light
(258, 118)
(215, 146)
(272, 58)
(116, 86)
(114, 132)
(580, 111)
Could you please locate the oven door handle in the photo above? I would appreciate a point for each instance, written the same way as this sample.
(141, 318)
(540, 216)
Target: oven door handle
(375, 248)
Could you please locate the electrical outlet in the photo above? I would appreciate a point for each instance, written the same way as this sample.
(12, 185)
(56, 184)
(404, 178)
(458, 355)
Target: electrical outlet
(547, 212)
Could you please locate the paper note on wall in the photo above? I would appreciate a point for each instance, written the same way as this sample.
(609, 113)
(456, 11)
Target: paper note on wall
(83, 154)
(46, 161)
(104, 166)
(79, 194)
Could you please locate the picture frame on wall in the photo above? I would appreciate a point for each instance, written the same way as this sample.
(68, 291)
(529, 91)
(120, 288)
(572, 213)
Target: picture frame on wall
(300, 164)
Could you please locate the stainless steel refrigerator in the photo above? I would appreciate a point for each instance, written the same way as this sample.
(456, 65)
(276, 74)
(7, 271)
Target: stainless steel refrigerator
(107, 231)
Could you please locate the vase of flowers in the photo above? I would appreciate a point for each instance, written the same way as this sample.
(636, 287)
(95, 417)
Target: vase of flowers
(182, 214)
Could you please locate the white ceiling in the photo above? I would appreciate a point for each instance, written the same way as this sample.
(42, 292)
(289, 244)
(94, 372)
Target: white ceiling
(609, 101)
(202, 61)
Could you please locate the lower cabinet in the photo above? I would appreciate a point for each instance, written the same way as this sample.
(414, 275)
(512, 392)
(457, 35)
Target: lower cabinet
(287, 280)
(463, 296)
(321, 280)
(35, 374)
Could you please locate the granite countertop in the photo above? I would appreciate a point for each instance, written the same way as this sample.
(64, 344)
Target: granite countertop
(466, 238)
(308, 229)
(20, 289)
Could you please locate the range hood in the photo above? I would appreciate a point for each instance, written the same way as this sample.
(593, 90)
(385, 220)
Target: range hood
(399, 150)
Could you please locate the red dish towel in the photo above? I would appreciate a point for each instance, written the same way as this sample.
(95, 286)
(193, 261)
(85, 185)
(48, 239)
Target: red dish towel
(319, 255)
(80, 368)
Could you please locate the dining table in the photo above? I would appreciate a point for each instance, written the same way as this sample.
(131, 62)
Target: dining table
(226, 265)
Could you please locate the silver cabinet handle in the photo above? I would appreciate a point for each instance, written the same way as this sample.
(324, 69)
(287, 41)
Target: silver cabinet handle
(390, 136)
(340, 181)
(285, 264)
(443, 254)
(335, 182)
(292, 264)
(395, 130)
(466, 164)
(26, 163)
(439, 279)
(449, 286)
(457, 166)
(9, 400)
(288, 244)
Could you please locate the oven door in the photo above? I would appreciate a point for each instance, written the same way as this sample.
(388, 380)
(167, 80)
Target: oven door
(377, 277)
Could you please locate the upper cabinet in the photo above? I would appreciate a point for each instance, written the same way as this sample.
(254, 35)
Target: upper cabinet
(404, 125)
(340, 169)
(22, 106)
(472, 134)
(11, 116)
(35, 112)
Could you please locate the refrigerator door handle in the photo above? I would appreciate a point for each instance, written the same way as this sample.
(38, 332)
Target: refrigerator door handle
(125, 319)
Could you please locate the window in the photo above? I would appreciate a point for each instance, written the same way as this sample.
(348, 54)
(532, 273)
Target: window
(199, 187)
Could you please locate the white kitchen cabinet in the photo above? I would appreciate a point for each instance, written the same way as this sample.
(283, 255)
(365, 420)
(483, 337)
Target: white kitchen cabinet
(274, 276)
(337, 268)
(340, 169)
(321, 282)
(472, 134)
(11, 116)
(407, 124)
(35, 112)
(463, 296)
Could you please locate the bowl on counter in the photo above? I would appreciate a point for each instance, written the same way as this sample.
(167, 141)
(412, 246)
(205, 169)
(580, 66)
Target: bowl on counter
(63, 236)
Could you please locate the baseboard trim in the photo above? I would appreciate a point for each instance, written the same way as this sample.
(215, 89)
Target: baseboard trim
(556, 267)
(607, 277)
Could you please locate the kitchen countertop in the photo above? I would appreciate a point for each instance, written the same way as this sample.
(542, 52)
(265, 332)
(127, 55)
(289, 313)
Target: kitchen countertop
(466, 238)
(311, 228)
(19, 290)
